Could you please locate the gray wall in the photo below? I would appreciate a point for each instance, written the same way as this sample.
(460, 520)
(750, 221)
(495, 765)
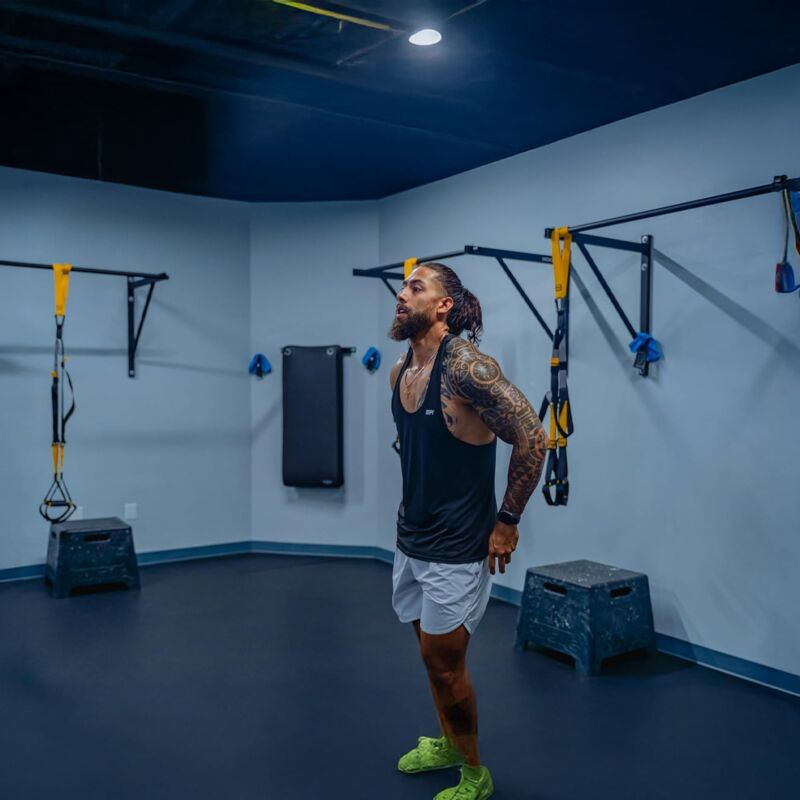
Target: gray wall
(691, 475)
(303, 293)
(176, 439)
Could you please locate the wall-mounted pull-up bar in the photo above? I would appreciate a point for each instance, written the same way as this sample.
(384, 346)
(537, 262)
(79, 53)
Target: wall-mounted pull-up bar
(135, 280)
(779, 184)
(386, 272)
(647, 348)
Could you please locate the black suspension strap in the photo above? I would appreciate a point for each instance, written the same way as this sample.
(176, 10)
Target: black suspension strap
(785, 281)
(57, 505)
(556, 401)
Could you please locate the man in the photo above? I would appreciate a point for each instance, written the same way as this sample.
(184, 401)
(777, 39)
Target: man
(450, 403)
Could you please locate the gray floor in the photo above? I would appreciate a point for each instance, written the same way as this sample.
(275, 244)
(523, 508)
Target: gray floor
(285, 677)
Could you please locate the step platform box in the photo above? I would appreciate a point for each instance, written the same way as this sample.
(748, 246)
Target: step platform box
(90, 552)
(586, 610)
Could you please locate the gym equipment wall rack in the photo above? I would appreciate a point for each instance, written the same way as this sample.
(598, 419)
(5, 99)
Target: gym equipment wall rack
(644, 247)
(388, 271)
(135, 280)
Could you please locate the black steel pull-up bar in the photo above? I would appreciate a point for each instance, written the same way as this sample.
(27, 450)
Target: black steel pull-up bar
(779, 184)
(386, 272)
(134, 280)
(579, 236)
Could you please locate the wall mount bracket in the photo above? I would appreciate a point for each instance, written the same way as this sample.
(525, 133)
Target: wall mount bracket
(135, 280)
(387, 271)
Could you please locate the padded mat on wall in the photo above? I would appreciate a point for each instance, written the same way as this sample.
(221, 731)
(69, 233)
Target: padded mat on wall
(313, 416)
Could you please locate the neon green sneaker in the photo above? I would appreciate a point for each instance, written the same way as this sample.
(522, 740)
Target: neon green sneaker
(476, 784)
(430, 754)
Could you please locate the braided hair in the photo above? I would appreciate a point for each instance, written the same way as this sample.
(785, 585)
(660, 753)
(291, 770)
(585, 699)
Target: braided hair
(465, 315)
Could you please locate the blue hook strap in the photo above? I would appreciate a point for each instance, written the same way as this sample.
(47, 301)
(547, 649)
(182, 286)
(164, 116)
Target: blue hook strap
(259, 365)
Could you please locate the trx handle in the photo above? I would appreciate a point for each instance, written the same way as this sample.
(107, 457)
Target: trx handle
(556, 481)
(556, 403)
(561, 242)
(57, 497)
(409, 265)
(61, 279)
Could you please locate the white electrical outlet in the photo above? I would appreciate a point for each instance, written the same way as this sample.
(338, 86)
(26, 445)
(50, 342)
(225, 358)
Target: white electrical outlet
(130, 510)
(78, 513)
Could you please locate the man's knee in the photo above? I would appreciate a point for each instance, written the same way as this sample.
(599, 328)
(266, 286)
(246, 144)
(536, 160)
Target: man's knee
(445, 679)
(444, 654)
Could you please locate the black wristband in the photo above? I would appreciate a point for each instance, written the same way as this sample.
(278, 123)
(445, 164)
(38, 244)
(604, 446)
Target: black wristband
(507, 518)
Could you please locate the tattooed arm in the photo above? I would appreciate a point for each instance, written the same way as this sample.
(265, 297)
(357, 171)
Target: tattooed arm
(477, 379)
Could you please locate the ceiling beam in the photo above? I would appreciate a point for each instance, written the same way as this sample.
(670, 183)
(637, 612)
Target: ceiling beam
(169, 12)
(126, 30)
(239, 92)
(339, 73)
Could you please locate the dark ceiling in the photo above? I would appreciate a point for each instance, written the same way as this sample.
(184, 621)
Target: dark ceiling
(255, 100)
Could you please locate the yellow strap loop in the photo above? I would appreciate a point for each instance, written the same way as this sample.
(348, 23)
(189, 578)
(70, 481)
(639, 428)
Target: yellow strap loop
(561, 240)
(55, 459)
(563, 419)
(551, 444)
(408, 266)
(61, 279)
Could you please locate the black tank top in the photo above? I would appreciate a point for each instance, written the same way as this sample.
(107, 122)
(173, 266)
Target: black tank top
(449, 508)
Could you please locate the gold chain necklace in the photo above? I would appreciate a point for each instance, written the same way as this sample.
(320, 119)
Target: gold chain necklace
(416, 375)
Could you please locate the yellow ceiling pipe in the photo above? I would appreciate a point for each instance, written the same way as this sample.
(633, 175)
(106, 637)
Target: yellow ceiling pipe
(324, 12)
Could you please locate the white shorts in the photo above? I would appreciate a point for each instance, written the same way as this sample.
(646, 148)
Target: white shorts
(442, 596)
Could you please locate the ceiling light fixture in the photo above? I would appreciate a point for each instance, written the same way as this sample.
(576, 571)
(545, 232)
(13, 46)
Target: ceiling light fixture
(425, 37)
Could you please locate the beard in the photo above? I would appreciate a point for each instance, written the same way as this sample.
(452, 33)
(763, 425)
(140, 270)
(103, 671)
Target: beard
(410, 325)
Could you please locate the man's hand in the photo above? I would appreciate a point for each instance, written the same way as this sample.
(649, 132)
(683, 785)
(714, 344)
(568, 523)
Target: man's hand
(502, 543)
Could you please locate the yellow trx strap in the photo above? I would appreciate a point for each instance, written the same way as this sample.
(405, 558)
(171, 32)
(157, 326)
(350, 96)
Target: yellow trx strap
(561, 240)
(57, 505)
(556, 401)
(61, 279)
(408, 266)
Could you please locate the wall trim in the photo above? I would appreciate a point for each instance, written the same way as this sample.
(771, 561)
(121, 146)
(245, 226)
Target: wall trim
(732, 665)
(704, 656)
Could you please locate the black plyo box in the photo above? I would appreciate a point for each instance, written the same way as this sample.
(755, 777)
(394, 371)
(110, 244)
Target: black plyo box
(90, 552)
(587, 610)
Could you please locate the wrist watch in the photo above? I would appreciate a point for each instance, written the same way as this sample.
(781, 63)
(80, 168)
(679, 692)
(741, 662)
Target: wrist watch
(508, 518)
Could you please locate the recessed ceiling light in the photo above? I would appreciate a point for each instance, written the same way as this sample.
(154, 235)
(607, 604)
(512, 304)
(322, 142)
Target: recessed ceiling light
(425, 37)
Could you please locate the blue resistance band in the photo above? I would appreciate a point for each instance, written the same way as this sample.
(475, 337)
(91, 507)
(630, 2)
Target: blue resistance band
(645, 340)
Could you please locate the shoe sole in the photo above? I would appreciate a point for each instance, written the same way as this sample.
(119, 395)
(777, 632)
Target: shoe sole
(430, 769)
(486, 796)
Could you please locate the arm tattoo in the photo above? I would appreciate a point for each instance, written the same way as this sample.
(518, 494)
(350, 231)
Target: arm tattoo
(477, 378)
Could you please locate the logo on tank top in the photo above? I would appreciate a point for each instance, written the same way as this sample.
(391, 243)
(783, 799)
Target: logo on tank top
(429, 412)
